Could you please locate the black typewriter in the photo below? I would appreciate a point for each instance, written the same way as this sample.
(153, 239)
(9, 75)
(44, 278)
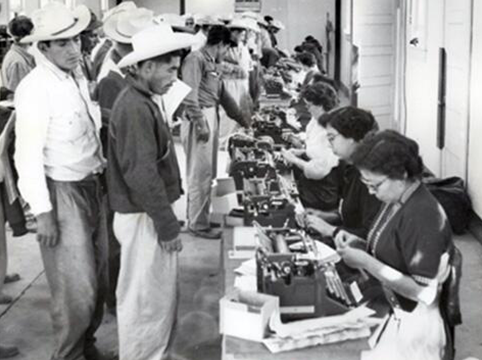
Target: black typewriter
(289, 266)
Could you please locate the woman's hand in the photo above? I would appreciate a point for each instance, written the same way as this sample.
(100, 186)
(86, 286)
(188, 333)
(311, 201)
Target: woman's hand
(345, 239)
(289, 156)
(319, 225)
(354, 258)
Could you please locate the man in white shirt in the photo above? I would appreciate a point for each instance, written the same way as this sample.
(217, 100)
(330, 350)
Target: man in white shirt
(59, 160)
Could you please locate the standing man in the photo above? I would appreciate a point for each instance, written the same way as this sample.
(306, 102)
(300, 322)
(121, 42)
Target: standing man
(202, 71)
(59, 160)
(143, 182)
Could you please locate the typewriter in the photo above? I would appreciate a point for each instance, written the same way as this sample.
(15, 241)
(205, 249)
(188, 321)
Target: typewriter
(290, 266)
(265, 203)
(248, 163)
(271, 123)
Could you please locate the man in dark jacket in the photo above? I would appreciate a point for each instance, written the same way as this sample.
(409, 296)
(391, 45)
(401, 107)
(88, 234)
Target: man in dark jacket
(143, 183)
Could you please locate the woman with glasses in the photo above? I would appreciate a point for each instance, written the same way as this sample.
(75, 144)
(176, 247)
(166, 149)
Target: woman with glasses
(408, 249)
(346, 128)
(311, 155)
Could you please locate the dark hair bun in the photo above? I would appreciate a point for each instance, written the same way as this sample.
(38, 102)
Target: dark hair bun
(353, 123)
(391, 154)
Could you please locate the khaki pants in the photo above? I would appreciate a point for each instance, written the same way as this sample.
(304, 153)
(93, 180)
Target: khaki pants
(147, 290)
(76, 267)
(201, 167)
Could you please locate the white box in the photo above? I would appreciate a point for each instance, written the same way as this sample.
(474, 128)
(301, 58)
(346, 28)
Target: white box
(246, 314)
(223, 196)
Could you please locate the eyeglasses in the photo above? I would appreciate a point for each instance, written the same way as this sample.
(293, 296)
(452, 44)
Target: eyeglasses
(374, 187)
(331, 137)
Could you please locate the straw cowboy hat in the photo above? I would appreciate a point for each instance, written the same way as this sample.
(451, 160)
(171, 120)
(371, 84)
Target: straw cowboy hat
(277, 24)
(176, 21)
(239, 24)
(123, 6)
(121, 27)
(55, 21)
(156, 40)
(208, 20)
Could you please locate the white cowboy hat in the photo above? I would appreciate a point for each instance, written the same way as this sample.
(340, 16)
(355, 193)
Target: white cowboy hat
(208, 20)
(156, 40)
(55, 21)
(252, 24)
(122, 26)
(176, 21)
(123, 6)
(277, 24)
(238, 24)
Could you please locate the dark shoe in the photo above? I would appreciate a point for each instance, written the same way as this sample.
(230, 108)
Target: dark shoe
(210, 233)
(5, 299)
(8, 352)
(11, 278)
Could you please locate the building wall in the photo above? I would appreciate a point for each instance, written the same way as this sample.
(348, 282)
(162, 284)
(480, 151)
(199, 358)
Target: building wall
(161, 6)
(475, 145)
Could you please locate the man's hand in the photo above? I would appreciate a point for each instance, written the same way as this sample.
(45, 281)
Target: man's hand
(47, 229)
(202, 130)
(171, 246)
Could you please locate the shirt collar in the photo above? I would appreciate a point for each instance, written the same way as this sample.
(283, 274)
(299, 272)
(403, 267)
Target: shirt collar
(409, 191)
(136, 84)
(60, 74)
(207, 56)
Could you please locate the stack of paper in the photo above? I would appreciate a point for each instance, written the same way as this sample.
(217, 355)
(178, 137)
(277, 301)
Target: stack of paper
(244, 243)
(300, 334)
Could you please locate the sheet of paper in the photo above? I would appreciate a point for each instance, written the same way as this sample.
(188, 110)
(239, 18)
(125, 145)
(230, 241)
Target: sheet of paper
(174, 97)
(302, 326)
(246, 283)
(276, 344)
(248, 267)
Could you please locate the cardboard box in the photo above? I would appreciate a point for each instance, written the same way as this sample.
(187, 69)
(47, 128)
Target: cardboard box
(223, 196)
(246, 314)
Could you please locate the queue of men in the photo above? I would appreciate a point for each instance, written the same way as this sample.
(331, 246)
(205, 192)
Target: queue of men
(97, 165)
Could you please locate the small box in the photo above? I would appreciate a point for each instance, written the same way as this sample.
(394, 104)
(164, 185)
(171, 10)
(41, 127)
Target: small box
(246, 314)
(223, 196)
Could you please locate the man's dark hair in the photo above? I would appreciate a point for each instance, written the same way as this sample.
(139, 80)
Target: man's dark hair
(164, 58)
(307, 59)
(268, 18)
(19, 27)
(351, 122)
(298, 48)
(219, 34)
(391, 154)
(320, 94)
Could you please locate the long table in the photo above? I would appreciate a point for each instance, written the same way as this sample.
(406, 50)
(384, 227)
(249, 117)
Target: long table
(234, 348)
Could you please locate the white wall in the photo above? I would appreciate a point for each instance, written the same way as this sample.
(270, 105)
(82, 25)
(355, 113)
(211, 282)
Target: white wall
(160, 6)
(346, 43)
(210, 7)
(422, 86)
(475, 145)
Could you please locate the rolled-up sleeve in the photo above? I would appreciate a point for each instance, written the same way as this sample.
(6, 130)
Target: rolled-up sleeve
(32, 113)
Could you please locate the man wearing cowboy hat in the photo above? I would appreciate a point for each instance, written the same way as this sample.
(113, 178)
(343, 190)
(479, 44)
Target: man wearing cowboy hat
(202, 71)
(59, 159)
(120, 27)
(143, 183)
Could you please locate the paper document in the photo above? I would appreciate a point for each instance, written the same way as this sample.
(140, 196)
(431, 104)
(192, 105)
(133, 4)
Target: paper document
(174, 97)
(246, 283)
(297, 327)
(247, 268)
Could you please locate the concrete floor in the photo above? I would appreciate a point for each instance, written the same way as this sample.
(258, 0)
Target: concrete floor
(27, 325)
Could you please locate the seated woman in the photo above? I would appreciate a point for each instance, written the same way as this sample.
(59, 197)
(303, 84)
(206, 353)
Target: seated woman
(308, 63)
(407, 250)
(312, 157)
(346, 128)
